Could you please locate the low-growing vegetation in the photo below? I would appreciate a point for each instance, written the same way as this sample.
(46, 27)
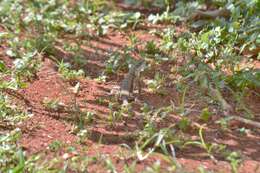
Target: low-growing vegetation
(74, 97)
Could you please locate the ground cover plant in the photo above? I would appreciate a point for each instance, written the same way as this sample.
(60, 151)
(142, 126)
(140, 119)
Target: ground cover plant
(74, 96)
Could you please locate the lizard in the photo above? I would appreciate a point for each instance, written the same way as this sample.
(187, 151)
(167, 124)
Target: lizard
(131, 79)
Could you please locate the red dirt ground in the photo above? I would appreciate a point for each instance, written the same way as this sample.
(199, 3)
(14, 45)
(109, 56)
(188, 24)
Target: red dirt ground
(46, 126)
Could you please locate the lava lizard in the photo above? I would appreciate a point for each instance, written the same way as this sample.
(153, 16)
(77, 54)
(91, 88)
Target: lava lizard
(128, 83)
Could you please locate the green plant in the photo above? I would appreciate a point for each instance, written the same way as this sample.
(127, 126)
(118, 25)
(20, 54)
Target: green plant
(55, 145)
(205, 115)
(68, 74)
(12, 157)
(27, 66)
(166, 17)
(101, 101)
(156, 85)
(133, 41)
(116, 112)
(234, 159)
(112, 65)
(130, 168)
(82, 118)
(118, 61)
(151, 48)
(110, 166)
(10, 114)
(184, 123)
(82, 135)
(223, 123)
(149, 4)
(101, 79)
(218, 55)
(115, 19)
(209, 148)
(168, 44)
(52, 104)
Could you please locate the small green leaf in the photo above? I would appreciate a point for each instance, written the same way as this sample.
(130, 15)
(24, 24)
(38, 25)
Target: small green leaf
(184, 123)
(20, 167)
(205, 115)
(2, 66)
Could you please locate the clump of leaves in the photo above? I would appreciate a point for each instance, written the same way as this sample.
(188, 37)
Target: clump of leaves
(10, 114)
(168, 44)
(152, 137)
(121, 20)
(210, 148)
(245, 78)
(117, 111)
(166, 17)
(82, 135)
(234, 159)
(55, 145)
(205, 115)
(156, 85)
(184, 124)
(52, 104)
(151, 48)
(27, 66)
(149, 3)
(118, 61)
(113, 63)
(12, 157)
(69, 74)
